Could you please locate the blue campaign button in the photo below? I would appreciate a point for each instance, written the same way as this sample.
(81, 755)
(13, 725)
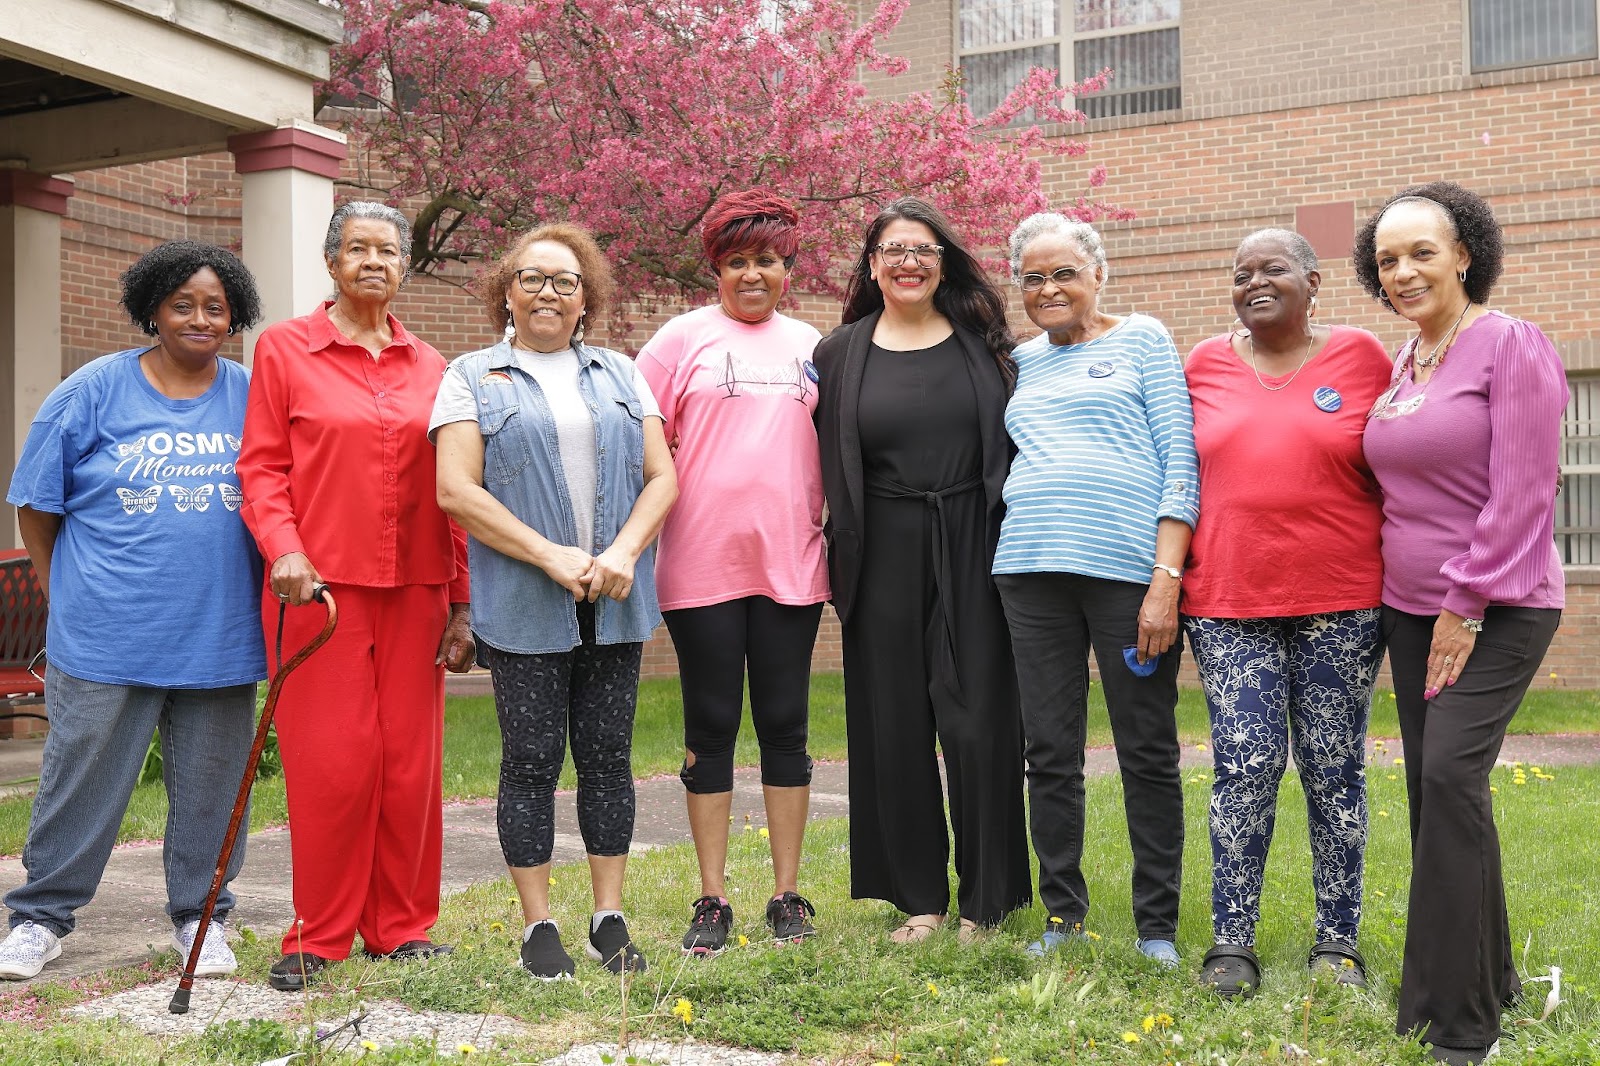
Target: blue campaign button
(1103, 369)
(1327, 399)
(811, 370)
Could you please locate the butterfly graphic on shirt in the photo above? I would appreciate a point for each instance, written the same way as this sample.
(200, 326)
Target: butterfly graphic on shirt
(143, 502)
(196, 500)
(231, 496)
(233, 442)
(125, 450)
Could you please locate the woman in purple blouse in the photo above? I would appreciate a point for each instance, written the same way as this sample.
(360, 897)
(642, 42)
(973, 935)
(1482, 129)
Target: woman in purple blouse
(1465, 445)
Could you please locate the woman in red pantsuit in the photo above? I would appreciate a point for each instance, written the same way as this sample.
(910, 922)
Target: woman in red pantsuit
(338, 482)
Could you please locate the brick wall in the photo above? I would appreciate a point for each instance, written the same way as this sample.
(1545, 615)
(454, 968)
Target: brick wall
(1337, 104)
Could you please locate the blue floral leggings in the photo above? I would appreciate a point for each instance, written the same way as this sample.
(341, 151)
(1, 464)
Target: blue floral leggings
(1270, 682)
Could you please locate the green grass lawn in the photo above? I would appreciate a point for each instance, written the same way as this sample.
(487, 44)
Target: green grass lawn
(472, 746)
(851, 997)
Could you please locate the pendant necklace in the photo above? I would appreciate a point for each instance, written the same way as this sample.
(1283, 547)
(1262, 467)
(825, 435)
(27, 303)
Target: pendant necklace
(1438, 353)
(1310, 343)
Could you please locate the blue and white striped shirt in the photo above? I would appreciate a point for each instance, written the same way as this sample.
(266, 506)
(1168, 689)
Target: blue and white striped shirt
(1105, 449)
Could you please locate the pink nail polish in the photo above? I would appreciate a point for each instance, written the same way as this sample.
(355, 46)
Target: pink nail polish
(1450, 681)
(1430, 693)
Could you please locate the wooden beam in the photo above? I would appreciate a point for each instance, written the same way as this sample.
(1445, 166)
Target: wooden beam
(107, 133)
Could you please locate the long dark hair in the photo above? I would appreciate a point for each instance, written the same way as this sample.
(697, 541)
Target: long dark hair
(966, 295)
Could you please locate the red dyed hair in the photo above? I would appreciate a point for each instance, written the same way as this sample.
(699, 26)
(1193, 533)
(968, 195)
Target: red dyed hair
(753, 219)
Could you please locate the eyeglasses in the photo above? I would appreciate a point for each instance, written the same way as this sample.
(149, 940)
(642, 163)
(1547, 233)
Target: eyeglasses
(564, 282)
(926, 254)
(1063, 277)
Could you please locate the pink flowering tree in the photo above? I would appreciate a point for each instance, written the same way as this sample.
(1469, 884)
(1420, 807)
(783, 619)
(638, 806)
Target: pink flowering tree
(632, 117)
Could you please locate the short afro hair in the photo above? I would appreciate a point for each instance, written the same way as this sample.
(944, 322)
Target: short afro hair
(1475, 226)
(158, 272)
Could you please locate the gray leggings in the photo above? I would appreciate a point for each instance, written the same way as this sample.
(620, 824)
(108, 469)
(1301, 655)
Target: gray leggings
(590, 693)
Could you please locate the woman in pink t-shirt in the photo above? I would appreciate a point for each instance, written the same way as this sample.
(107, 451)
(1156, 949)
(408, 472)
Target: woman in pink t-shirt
(1280, 596)
(740, 571)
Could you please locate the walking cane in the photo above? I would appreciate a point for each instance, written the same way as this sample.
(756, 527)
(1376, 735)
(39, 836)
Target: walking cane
(180, 998)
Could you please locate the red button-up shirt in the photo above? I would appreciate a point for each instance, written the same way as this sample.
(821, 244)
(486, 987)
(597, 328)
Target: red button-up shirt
(336, 461)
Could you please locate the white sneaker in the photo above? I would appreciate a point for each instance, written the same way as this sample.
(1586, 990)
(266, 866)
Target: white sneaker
(26, 950)
(216, 958)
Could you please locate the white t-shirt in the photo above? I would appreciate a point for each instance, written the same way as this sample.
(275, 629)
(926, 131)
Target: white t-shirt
(557, 375)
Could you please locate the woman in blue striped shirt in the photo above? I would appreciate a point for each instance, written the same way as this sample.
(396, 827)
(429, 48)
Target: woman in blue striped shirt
(1100, 505)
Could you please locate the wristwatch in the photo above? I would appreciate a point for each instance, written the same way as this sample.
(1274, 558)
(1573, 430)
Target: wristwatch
(1171, 571)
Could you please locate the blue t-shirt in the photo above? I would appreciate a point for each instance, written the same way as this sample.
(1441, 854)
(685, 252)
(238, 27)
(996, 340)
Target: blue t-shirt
(154, 581)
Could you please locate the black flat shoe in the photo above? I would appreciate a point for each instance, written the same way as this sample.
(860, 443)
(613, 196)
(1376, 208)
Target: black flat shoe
(1458, 1056)
(1232, 971)
(294, 972)
(1346, 963)
(412, 950)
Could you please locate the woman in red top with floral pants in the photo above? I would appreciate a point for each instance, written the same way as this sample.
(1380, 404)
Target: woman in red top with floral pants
(338, 482)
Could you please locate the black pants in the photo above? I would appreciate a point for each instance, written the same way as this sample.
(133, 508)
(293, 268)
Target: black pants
(591, 692)
(715, 643)
(910, 684)
(1055, 620)
(1458, 967)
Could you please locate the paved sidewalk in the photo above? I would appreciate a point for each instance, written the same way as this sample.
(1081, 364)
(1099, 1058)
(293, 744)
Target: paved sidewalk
(125, 923)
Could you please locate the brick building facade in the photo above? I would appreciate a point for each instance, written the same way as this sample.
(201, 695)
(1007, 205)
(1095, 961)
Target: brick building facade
(1307, 114)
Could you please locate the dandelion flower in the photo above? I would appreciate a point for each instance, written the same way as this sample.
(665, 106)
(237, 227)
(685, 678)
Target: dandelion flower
(1383, 814)
(497, 927)
(1056, 921)
(552, 882)
(1535, 771)
(744, 941)
(763, 833)
(933, 990)
(1149, 1023)
(1164, 1020)
(1130, 1037)
(998, 1060)
(1380, 893)
(1493, 791)
(1399, 761)
(683, 1010)
(369, 1045)
(1091, 935)
(466, 1049)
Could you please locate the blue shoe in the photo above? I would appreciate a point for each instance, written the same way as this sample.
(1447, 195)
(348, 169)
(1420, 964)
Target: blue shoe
(1163, 952)
(1056, 937)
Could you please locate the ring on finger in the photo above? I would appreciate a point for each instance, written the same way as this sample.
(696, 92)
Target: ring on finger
(1449, 659)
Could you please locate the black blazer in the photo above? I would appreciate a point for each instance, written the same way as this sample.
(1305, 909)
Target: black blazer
(841, 359)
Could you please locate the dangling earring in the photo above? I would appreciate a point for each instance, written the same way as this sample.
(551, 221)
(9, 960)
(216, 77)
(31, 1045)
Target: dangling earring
(577, 334)
(1311, 309)
(511, 326)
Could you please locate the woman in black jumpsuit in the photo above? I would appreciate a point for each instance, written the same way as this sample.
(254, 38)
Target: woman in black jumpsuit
(914, 454)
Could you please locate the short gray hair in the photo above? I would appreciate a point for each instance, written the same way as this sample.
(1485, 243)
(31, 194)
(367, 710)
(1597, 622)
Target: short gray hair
(1300, 250)
(364, 209)
(1048, 223)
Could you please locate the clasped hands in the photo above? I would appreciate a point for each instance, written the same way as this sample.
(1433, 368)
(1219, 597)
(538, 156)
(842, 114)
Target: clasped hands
(588, 577)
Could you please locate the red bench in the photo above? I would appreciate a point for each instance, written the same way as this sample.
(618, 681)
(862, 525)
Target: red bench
(23, 614)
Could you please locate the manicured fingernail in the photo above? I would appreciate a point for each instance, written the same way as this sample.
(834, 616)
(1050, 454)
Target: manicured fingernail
(1430, 693)
(1450, 681)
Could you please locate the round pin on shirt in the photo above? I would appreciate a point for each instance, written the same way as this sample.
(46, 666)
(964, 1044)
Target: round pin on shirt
(1103, 369)
(1327, 399)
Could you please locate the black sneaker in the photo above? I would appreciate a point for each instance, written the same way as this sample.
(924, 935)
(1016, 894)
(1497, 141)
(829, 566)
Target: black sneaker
(708, 931)
(295, 971)
(787, 916)
(612, 948)
(543, 956)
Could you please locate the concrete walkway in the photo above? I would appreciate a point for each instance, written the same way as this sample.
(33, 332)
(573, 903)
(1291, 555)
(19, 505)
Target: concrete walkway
(125, 923)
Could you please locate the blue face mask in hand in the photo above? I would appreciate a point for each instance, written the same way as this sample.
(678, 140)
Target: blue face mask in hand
(1130, 655)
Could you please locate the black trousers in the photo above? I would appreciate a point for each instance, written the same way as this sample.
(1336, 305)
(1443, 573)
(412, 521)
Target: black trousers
(1055, 620)
(1459, 967)
(714, 643)
(909, 683)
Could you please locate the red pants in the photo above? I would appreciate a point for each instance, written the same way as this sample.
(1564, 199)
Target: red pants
(361, 731)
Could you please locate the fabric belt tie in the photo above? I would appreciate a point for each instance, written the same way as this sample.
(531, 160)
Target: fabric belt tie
(945, 670)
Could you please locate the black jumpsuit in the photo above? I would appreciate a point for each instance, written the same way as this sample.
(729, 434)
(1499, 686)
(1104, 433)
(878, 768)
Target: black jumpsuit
(926, 654)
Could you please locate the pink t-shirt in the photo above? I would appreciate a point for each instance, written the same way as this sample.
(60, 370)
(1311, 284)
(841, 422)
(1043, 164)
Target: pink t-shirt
(737, 400)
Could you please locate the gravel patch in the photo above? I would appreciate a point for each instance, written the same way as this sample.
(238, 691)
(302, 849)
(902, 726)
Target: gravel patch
(213, 1001)
(666, 1053)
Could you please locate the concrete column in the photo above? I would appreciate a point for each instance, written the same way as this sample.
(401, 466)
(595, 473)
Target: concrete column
(288, 196)
(31, 206)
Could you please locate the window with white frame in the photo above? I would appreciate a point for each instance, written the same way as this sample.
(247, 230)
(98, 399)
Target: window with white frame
(1578, 505)
(1526, 33)
(999, 40)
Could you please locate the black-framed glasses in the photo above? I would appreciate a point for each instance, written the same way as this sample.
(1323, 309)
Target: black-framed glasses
(1063, 277)
(532, 281)
(926, 254)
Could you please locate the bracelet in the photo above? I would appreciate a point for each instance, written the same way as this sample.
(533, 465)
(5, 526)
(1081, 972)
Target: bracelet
(1472, 625)
(1171, 571)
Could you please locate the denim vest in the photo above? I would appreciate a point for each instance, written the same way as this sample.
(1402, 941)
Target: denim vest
(516, 607)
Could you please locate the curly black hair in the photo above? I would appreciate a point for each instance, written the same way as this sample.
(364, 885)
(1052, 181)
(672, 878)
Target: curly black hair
(158, 272)
(1475, 227)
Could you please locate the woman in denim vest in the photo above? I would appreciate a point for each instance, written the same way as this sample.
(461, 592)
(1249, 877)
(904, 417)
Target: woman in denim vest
(552, 458)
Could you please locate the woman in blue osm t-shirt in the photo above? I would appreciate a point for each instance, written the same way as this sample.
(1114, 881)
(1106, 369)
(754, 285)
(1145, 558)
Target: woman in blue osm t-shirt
(129, 506)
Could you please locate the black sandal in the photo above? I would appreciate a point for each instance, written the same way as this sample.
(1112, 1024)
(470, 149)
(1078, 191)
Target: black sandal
(1348, 967)
(1231, 970)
